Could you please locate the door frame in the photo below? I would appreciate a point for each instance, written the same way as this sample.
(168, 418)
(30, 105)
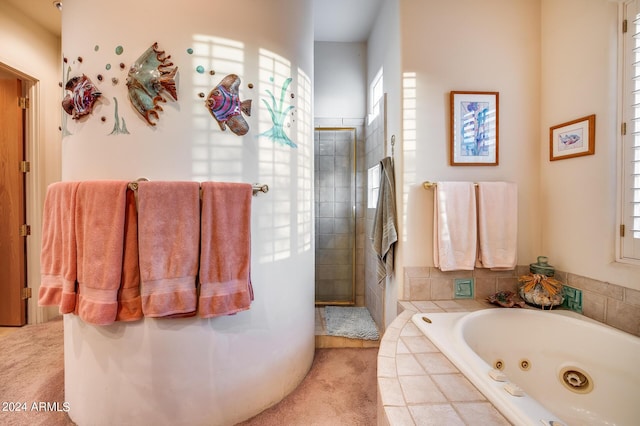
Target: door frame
(35, 189)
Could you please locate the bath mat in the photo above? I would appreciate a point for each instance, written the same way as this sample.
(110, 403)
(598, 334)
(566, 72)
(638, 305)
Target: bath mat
(351, 322)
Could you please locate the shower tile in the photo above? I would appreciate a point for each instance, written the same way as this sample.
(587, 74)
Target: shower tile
(327, 147)
(342, 226)
(325, 194)
(326, 210)
(325, 226)
(343, 195)
(342, 210)
(325, 241)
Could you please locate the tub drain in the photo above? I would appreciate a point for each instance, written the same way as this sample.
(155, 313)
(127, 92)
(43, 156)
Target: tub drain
(576, 380)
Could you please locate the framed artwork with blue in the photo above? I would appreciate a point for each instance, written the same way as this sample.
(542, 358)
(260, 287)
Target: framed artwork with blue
(474, 129)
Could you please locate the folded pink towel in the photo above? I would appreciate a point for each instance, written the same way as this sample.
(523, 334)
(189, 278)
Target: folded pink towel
(225, 254)
(58, 269)
(454, 226)
(497, 225)
(100, 219)
(129, 301)
(168, 238)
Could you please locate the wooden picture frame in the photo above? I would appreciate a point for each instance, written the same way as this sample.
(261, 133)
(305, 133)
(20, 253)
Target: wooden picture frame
(573, 139)
(474, 129)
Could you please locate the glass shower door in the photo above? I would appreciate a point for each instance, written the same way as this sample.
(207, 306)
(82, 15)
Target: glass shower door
(335, 187)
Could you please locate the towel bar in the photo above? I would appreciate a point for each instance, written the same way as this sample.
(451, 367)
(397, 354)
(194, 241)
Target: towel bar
(257, 187)
(429, 185)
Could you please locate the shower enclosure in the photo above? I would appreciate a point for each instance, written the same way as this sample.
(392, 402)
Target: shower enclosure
(335, 223)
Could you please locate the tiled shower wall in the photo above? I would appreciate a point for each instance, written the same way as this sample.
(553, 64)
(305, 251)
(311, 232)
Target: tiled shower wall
(611, 304)
(337, 236)
(374, 293)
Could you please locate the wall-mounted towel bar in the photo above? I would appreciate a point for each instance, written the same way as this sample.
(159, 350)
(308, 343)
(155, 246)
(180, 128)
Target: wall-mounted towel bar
(257, 187)
(430, 185)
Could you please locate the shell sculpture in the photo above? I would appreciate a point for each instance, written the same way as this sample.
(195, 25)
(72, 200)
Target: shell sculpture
(83, 94)
(225, 106)
(149, 77)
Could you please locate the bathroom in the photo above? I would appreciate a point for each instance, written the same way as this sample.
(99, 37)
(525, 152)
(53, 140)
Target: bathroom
(522, 49)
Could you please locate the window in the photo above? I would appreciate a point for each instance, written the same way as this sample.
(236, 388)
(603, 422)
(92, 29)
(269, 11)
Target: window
(373, 185)
(376, 94)
(630, 165)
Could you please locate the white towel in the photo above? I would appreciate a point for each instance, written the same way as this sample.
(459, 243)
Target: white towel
(454, 226)
(497, 225)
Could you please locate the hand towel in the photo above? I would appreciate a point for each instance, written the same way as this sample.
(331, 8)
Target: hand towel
(168, 242)
(100, 220)
(454, 226)
(385, 233)
(58, 268)
(497, 225)
(225, 253)
(129, 301)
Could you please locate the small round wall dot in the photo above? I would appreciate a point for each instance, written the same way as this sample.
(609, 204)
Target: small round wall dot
(121, 65)
(250, 85)
(103, 119)
(114, 80)
(60, 83)
(99, 77)
(65, 60)
(80, 59)
(212, 72)
(201, 94)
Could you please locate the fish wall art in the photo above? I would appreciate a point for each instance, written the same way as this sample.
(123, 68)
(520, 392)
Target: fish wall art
(83, 95)
(225, 106)
(151, 76)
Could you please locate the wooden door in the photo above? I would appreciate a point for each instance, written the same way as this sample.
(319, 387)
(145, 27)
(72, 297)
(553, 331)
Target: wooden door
(12, 205)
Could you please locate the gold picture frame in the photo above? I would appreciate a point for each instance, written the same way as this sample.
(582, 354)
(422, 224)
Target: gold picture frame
(573, 139)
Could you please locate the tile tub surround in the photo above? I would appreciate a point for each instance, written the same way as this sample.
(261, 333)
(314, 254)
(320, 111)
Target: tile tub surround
(610, 304)
(418, 385)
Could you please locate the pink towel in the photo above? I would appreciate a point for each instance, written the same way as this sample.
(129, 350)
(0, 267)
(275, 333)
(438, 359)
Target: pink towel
(454, 226)
(58, 267)
(168, 238)
(100, 219)
(129, 301)
(497, 225)
(225, 256)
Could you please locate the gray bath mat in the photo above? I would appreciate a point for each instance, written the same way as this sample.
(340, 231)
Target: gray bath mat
(352, 322)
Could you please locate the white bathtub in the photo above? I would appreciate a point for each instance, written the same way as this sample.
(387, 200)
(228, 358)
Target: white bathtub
(552, 345)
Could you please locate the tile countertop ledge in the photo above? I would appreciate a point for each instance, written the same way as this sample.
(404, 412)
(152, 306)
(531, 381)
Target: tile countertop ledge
(417, 384)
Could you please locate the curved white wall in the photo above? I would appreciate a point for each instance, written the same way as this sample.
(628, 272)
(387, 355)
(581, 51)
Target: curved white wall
(193, 371)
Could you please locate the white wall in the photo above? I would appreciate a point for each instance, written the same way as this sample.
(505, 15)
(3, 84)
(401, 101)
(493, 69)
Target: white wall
(578, 195)
(33, 54)
(339, 80)
(488, 46)
(222, 370)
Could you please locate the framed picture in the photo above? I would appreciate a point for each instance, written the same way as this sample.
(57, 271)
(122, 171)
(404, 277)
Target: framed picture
(573, 139)
(474, 129)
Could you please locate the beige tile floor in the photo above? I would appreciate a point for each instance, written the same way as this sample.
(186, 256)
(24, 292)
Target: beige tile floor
(325, 341)
(7, 330)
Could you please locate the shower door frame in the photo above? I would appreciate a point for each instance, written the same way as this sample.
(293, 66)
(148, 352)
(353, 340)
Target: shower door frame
(354, 187)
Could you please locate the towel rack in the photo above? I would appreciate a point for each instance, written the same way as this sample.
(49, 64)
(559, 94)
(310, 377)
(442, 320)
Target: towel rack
(257, 187)
(430, 185)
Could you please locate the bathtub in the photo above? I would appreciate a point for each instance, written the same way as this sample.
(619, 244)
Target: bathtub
(543, 367)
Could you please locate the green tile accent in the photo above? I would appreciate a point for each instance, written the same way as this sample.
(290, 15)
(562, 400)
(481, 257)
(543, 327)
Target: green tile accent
(572, 299)
(463, 288)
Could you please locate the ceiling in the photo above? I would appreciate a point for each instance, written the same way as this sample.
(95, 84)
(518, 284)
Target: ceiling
(334, 20)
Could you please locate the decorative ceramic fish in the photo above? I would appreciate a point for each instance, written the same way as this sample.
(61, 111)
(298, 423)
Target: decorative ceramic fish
(150, 76)
(225, 106)
(82, 97)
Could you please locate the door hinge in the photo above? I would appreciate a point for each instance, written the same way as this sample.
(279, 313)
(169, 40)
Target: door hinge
(622, 230)
(26, 293)
(623, 129)
(25, 166)
(25, 230)
(23, 103)
(624, 26)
